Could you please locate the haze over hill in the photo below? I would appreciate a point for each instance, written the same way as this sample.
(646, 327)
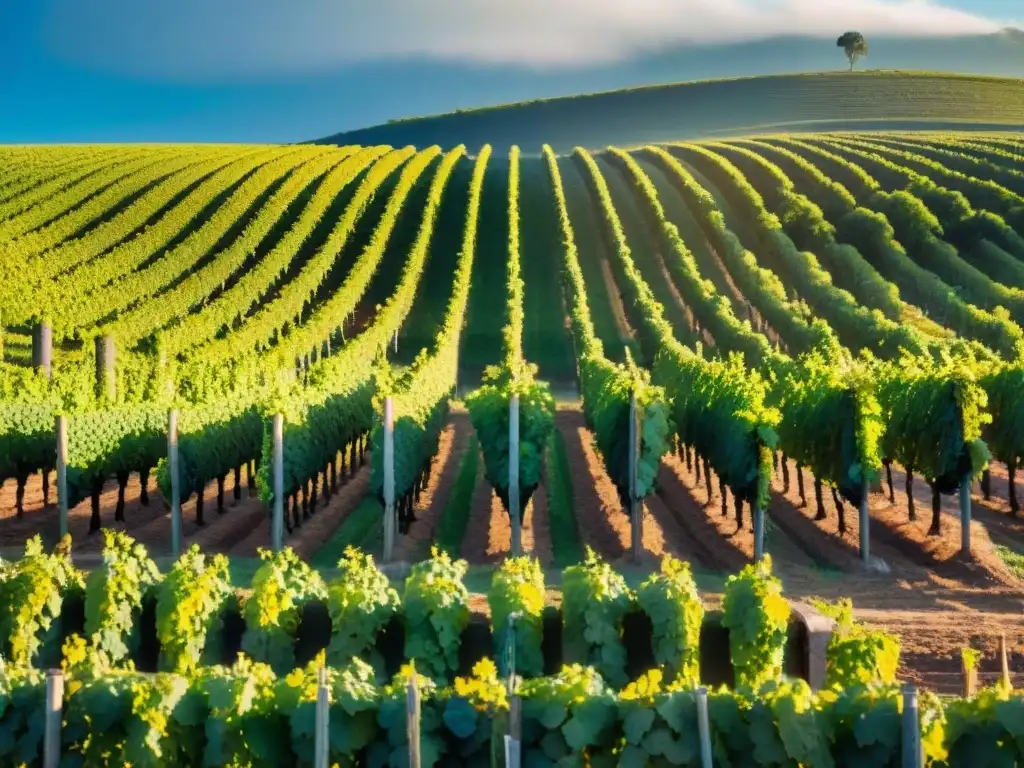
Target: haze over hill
(1001, 53)
(869, 100)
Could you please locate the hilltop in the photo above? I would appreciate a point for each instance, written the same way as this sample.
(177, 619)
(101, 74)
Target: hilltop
(862, 100)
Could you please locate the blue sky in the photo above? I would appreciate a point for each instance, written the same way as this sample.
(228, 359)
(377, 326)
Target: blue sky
(288, 70)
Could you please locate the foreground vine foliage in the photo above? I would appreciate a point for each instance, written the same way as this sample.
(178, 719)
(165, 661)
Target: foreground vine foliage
(757, 617)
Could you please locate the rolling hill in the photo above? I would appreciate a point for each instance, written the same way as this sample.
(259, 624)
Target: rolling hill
(868, 100)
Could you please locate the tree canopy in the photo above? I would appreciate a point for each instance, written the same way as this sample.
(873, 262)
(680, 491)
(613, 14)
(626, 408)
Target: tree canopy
(854, 45)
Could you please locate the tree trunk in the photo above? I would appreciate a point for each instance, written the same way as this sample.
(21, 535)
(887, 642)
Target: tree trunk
(220, 495)
(689, 458)
(725, 500)
(738, 503)
(785, 473)
(936, 527)
(46, 487)
(1012, 469)
(334, 473)
(296, 522)
(315, 484)
(800, 485)
(707, 479)
(888, 476)
(817, 497)
(251, 477)
(696, 469)
(912, 513)
(775, 462)
(199, 507)
(122, 483)
(305, 503)
(97, 491)
(840, 509)
(327, 484)
(237, 490)
(144, 484)
(19, 495)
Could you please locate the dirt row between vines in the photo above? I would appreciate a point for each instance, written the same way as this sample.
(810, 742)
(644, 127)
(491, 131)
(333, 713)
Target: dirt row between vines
(600, 518)
(149, 524)
(452, 449)
(240, 528)
(934, 616)
(488, 536)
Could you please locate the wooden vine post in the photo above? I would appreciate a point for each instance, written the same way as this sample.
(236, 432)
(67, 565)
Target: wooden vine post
(513, 476)
(42, 348)
(912, 750)
(969, 674)
(965, 514)
(106, 368)
(277, 523)
(390, 523)
(172, 466)
(865, 539)
(704, 728)
(62, 472)
(1004, 664)
(758, 532)
(412, 720)
(52, 722)
(514, 737)
(635, 508)
(321, 746)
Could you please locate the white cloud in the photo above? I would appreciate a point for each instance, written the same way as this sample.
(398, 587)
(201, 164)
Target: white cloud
(226, 39)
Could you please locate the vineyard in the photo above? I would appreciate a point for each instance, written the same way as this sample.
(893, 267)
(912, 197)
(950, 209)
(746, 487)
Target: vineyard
(810, 348)
(337, 671)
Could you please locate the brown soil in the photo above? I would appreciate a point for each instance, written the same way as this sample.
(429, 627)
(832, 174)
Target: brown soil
(995, 513)
(488, 536)
(603, 524)
(941, 552)
(934, 621)
(150, 524)
(451, 450)
(821, 538)
(312, 533)
(490, 539)
(476, 538)
(728, 546)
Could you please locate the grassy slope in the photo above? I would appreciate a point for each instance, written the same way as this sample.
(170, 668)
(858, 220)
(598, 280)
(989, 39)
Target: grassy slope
(813, 101)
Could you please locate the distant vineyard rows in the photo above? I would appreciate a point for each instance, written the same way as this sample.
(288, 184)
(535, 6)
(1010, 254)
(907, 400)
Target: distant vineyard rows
(849, 301)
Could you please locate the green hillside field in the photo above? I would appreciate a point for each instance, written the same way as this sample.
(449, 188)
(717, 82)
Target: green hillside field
(861, 100)
(813, 325)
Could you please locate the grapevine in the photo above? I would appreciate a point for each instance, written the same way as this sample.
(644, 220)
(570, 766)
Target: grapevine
(283, 584)
(671, 600)
(436, 604)
(595, 601)
(516, 600)
(757, 617)
(114, 595)
(190, 605)
(361, 602)
(32, 593)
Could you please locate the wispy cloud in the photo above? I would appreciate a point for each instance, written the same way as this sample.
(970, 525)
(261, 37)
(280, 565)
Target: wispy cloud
(229, 39)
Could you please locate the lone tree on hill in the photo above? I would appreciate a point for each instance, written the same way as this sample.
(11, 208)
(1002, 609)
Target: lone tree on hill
(854, 45)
